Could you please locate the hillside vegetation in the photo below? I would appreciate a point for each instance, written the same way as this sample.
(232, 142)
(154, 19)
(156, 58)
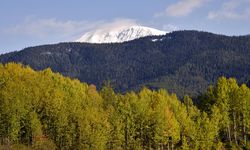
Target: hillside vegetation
(183, 62)
(44, 110)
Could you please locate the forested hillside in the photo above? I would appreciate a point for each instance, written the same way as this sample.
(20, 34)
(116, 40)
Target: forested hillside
(44, 110)
(184, 62)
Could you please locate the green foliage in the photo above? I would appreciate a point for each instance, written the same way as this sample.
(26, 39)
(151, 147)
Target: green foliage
(232, 101)
(44, 110)
(183, 62)
(41, 106)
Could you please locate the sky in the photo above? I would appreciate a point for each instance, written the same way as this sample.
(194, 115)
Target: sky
(25, 23)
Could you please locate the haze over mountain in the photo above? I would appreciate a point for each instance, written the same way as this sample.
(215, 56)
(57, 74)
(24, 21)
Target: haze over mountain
(185, 62)
(119, 34)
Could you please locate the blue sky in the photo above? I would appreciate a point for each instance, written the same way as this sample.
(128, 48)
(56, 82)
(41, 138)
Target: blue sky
(25, 23)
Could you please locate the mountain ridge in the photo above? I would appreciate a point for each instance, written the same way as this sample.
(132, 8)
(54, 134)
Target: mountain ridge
(118, 35)
(181, 61)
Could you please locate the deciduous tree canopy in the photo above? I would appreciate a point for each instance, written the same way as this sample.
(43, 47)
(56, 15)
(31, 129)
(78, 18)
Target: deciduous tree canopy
(44, 110)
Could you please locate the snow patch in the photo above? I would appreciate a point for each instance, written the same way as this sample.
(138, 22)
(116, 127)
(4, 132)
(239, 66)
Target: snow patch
(118, 35)
(69, 50)
(46, 53)
(156, 40)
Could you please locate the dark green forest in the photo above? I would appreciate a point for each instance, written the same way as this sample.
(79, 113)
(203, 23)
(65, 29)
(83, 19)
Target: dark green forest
(44, 110)
(183, 62)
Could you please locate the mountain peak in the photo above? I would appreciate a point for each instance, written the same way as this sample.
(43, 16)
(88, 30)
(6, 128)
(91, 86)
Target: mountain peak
(120, 34)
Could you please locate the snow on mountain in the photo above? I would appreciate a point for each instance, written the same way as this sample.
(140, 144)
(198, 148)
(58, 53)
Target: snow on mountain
(120, 34)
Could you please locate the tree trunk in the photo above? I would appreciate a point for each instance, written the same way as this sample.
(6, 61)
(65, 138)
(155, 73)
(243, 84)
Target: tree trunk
(172, 145)
(235, 129)
(126, 134)
(245, 134)
(229, 133)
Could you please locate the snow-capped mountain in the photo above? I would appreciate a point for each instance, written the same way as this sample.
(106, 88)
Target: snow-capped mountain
(117, 35)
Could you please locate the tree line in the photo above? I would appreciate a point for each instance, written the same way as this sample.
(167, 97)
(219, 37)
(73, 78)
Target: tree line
(183, 62)
(44, 110)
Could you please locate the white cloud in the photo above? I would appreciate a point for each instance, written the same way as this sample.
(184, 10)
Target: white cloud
(170, 27)
(182, 8)
(61, 30)
(117, 23)
(42, 28)
(233, 9)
